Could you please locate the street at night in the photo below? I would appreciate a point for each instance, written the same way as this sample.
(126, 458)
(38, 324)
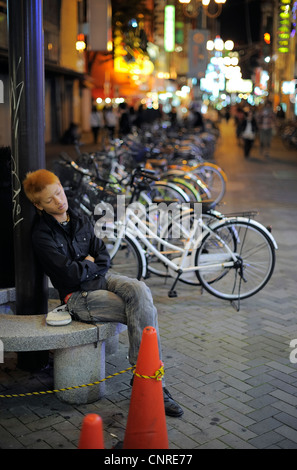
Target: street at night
(117, 339)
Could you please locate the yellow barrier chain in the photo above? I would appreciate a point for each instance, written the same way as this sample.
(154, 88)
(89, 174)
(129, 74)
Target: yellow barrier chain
(158, 376)
(66, 388)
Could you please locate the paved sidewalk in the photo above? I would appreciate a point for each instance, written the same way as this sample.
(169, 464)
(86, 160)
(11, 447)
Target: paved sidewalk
(230, 371)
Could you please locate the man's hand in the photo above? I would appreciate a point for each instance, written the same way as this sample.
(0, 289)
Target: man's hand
(90, 258)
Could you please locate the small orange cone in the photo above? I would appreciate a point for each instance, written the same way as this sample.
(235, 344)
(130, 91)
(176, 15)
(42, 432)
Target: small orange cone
(91, 436)
(146, 424)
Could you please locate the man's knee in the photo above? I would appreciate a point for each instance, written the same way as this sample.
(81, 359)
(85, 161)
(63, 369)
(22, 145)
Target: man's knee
(126, 286)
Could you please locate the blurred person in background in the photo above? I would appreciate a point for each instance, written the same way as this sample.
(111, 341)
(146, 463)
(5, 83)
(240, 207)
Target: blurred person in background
(111, 121)
(248, 132)
(96, 123)
(124, 120)
(266, 121)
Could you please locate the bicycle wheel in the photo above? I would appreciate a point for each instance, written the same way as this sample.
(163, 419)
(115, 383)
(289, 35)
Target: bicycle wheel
(127, 259)
(187, 187)
(199, 186)
(254, 259)
(164, 190)
(215, 179)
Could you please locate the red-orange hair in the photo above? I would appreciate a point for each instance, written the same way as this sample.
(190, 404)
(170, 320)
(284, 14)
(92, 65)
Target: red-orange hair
(36, 181)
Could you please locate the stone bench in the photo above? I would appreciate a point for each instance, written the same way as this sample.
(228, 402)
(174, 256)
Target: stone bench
(78, 348)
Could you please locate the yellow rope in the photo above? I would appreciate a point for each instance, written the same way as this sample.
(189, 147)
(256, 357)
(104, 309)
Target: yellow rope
(66, 388)
(158, 376)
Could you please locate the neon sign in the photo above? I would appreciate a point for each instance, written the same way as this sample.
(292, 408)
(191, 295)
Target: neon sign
(169, 28)
(284, 26)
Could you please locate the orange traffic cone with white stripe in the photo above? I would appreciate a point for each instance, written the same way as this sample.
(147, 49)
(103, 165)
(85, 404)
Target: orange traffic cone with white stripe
(146, 424)
(91, 436)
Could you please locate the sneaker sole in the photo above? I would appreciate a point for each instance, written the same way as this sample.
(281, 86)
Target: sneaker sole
(58, 322)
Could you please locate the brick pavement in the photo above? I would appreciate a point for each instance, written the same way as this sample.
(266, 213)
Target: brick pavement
(229, 370)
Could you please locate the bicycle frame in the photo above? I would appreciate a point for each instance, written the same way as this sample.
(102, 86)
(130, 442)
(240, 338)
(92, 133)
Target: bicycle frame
(135, 228)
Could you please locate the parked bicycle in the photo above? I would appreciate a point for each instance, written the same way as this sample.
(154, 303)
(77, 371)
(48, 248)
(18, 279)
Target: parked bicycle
(232, 258)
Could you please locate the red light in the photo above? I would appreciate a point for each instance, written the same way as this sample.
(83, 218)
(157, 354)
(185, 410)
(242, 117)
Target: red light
(267, 38)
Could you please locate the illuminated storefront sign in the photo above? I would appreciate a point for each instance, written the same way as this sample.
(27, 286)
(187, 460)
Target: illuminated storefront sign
(135, 63)
(198, 56)
(239, 85)
(284, 27)
(288, 87)
(213, 83)
(100, 39)
(169, 28)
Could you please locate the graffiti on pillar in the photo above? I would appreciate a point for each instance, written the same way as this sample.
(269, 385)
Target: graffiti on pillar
(16, 95)
(16, 207)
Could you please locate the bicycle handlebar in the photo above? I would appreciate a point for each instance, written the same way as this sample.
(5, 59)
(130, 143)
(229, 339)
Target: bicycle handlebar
(146, 173)
(82, 171)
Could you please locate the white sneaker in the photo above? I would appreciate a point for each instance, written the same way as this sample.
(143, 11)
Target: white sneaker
(59, 316)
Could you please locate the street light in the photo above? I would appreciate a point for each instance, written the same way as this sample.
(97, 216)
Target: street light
(191, 7)
(219, 45)
(80, 44)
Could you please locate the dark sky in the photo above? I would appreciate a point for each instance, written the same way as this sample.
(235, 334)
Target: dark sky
(239, 26)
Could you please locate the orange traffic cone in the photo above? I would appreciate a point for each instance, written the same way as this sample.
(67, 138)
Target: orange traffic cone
(146, 424)
(91, 436)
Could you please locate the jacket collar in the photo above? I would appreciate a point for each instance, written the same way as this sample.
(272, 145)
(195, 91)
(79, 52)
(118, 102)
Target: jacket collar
(53, 223)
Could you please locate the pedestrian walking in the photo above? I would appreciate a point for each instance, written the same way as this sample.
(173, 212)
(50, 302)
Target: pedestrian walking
(239, 118)
(266, 123)
(96, 123)
(111, 121)
(248, 131)
(124, 120)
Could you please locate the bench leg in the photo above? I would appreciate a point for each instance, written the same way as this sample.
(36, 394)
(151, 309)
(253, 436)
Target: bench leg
(112, 344)
(80, 365)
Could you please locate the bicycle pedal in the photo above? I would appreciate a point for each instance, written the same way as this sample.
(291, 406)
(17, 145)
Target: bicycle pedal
(172, 293)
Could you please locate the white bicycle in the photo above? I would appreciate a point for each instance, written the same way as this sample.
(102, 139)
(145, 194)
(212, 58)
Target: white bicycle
(232, 258)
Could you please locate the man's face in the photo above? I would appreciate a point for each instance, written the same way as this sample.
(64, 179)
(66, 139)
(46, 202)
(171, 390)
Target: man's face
(53, 200)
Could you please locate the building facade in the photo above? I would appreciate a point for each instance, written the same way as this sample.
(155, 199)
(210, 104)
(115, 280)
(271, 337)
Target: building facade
(278, 53)
(63, 76)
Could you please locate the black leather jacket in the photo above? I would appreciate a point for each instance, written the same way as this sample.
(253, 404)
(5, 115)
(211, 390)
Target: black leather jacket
(62, 253)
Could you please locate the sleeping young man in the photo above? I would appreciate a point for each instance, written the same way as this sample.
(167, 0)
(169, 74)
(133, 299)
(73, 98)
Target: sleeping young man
(77, 263)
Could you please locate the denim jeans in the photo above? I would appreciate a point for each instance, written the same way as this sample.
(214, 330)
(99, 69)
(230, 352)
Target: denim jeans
(135, 308)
